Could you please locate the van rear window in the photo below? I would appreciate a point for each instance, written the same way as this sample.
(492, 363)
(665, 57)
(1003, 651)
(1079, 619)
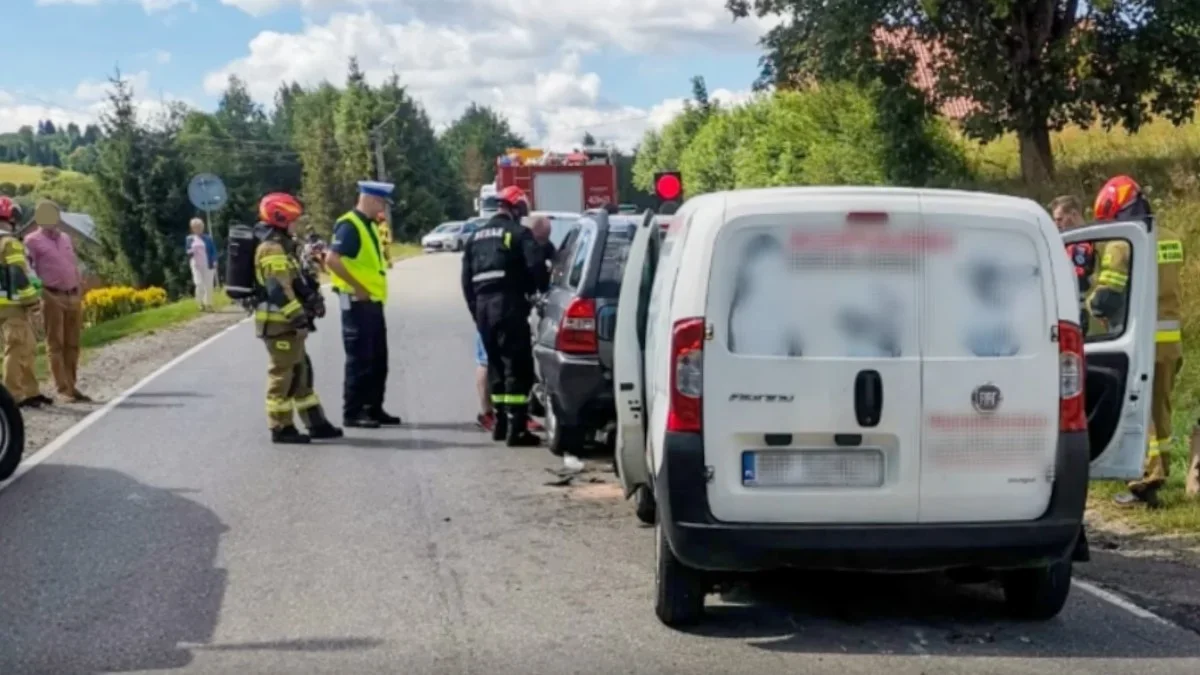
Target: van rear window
(612, 261)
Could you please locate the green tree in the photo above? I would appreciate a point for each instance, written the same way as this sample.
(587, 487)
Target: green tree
(488, 133)
(1031, 66)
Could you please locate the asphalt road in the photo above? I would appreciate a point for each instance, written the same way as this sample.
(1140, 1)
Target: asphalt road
(170, 535)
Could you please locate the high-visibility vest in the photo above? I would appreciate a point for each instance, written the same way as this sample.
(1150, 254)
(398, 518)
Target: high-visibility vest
(23, 293)
(366, 267)
(1170, 292)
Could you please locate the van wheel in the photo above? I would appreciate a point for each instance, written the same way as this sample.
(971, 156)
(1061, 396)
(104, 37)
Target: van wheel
(12, 435)
(647, 508)
(1037, 593)
(561, 439)
(678, 589)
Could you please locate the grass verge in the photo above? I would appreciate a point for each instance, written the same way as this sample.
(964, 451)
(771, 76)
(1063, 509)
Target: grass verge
(1165, 160)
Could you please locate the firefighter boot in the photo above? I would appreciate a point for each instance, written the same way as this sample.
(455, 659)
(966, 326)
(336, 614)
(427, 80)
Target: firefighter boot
(519, 435)
(319, 426)
(1192, 481)
(500, 428)
(289, 435)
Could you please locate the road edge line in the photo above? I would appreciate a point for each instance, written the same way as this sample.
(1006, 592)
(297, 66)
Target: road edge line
(1122, 602)
(58, 442)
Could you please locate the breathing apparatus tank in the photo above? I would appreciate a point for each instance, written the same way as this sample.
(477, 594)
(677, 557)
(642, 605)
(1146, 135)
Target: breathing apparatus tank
(240, 279)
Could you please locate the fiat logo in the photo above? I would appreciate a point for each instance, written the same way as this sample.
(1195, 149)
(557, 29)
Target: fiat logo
(986, 398)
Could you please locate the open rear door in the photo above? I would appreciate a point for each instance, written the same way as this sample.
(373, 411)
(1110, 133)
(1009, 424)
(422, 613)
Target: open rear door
(1119, 347)
(629, 345)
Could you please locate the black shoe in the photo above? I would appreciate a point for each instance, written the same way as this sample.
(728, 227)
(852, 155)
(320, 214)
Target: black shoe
(522, 438)
(31, 402)
(385, 419)
(360, 421)
(289, 435)
(45, 400)
(500, 428)
(324, 432)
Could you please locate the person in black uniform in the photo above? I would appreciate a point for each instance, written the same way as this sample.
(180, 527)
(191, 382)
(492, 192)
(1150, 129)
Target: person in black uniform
(502, 266)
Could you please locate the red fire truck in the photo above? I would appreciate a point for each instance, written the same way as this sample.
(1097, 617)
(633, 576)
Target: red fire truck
(571, 182)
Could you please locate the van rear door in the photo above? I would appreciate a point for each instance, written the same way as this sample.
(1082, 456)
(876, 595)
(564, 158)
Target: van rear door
(812, 373)
(991, 381)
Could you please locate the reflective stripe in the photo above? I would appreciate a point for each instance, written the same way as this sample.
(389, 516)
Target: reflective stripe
(269, 316)
(15, 259)
(1170, 251)
(510, 399)
(1164, 336)
(310, 401)
(488, 276)
(508, 240)
(279, 405)
(292, 308)
(1114, 280)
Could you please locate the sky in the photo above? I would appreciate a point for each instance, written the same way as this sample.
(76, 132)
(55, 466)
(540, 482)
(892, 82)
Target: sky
(554, 68)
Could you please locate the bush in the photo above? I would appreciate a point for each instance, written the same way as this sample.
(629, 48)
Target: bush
(105, 304)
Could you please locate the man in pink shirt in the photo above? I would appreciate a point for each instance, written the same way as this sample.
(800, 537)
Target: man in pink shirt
(52, 256)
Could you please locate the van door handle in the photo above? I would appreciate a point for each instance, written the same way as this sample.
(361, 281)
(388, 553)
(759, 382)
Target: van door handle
(868, 398)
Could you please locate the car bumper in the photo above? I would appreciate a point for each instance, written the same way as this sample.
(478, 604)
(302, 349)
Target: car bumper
(701, 541)
(579, 386)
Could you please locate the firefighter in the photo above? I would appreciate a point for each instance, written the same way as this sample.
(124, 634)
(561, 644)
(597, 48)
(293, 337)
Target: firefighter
(1121, 198)
(501, 267)
(283, 321)
(384, 232)
(18, 299)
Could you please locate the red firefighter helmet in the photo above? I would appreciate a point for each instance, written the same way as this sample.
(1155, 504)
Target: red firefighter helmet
(279, 209)
(1120, 198)
(9, 210)
(511, 195)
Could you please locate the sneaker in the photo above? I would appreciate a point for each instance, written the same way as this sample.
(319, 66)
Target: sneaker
(31, 402)
(486, 421)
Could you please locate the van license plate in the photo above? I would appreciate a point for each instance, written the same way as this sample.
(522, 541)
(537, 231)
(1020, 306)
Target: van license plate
(812, 468)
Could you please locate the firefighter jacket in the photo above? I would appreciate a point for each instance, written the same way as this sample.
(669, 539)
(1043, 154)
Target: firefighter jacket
(502, 257)
(280, 310)
(17, 292)
(1112, 277)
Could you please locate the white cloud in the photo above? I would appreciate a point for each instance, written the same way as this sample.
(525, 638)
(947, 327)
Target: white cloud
(85, 106)
(90, 91)
(521, 57)
(150, 6)
(161, 56)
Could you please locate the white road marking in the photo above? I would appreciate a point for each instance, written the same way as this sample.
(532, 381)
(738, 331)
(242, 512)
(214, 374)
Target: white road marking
(1121, 602)
(30, 462)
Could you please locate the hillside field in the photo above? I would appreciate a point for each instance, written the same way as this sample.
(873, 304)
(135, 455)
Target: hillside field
(20, 174)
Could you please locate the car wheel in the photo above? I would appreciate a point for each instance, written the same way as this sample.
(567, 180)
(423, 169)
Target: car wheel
(678, 589)
(561, 439)
(647, 508)
(12, 435)
(1037, 593)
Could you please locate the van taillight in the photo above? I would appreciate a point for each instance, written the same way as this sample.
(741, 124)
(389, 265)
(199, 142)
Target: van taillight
(1072, 374)
(867, 218)
(577, 332)
(687, 376)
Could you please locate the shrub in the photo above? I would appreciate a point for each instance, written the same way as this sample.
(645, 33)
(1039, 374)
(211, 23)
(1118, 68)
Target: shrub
(105, 304)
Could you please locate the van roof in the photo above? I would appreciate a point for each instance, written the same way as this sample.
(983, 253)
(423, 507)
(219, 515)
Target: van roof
(738, 203)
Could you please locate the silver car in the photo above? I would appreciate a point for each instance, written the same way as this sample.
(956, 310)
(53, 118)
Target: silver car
(444, 237)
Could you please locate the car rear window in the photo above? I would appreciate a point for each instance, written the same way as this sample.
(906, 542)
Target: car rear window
(612, 261)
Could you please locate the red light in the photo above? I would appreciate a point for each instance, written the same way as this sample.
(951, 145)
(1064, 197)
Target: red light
(668, 186)
(1072, 411)
(687, 372)
(577, 333)
(866, 218)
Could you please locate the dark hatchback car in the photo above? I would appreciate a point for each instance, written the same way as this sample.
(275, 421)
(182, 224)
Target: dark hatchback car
(573, 344)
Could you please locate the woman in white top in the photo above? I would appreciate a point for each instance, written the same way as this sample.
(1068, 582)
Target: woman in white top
(202, 255)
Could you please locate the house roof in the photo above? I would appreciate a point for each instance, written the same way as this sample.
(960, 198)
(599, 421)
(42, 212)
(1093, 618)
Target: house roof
(924, 76)
(79, 223)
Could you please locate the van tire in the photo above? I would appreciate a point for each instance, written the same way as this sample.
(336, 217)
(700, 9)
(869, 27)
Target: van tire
(647, 508)
(12, 435)
(1037, 593)
(678, 589)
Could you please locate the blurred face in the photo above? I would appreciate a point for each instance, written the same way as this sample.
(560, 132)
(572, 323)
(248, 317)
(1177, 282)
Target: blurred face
(541, 229)
(372, 206)
(1067, 218)
(197, 226)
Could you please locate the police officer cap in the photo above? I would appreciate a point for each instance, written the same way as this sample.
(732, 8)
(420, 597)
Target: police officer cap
(376, 189)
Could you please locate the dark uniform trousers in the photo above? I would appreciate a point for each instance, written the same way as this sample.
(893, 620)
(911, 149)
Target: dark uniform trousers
(364, 336)
(503, 323)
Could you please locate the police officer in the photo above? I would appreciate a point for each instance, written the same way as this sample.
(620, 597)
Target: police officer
(1122, 199)
(502, 265)
(282, 321)
(18, 298)
(359, 269)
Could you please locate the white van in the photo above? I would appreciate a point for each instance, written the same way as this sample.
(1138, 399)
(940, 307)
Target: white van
(874, 379)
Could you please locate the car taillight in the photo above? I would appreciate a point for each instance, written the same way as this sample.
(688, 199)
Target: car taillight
(577, 333)
(1072, 374)
(687, 376)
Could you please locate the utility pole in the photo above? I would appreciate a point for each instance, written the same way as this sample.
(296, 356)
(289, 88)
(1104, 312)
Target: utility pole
(376, 136)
